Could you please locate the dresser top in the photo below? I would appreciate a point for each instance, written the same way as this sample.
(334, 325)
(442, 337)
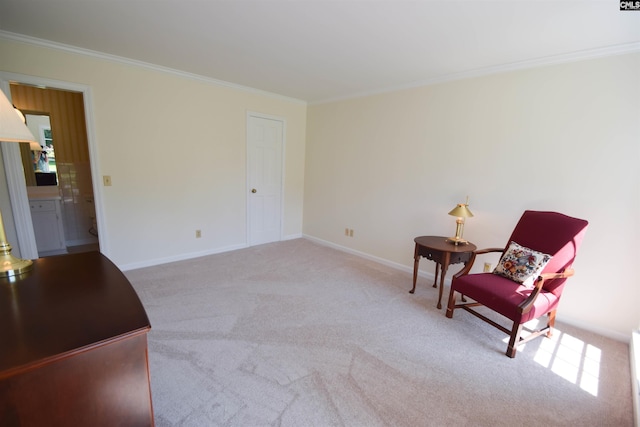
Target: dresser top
(65, 304)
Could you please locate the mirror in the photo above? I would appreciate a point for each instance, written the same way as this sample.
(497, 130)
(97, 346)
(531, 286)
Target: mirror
(39, 166)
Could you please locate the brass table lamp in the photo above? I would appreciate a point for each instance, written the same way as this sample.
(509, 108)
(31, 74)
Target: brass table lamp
(461, 211)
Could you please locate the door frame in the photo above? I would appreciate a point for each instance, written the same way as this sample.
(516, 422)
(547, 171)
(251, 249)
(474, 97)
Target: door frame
(253, 114)
(15, 175)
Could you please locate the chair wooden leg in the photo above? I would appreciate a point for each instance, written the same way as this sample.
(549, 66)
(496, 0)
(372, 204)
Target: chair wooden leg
(514, 340)
(451, 304)
(551, 323)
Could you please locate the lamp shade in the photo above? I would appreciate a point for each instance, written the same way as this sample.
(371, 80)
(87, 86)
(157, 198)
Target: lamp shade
(12, 129)
(461, 211)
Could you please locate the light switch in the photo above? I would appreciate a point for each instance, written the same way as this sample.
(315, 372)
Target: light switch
(106, 179)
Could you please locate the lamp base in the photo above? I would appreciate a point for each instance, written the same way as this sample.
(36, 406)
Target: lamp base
(12, 266)
(457, 241)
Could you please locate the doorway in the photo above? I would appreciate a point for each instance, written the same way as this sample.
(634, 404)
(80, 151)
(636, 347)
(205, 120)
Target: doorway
(265, 141)
(67, 105)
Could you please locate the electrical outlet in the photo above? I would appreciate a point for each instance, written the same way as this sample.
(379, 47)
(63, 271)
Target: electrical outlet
(198, 234)
(106, 180)
(487, 267)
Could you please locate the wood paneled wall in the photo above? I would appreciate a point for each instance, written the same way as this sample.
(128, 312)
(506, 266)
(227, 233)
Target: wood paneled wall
(66, 111)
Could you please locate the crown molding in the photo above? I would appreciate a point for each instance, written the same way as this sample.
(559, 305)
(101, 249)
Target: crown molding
(20, 38)
(583, 55)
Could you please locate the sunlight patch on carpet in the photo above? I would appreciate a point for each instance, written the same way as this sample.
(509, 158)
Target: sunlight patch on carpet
(571, 359)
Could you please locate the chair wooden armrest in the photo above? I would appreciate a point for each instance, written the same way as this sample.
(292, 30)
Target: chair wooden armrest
(526, 305)
(467, 267)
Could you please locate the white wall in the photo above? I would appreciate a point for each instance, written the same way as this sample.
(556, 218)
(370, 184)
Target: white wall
(564, 138)
(390, 166)
(175, 148)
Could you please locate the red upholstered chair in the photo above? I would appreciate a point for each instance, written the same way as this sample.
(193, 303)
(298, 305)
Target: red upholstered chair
(540, 233)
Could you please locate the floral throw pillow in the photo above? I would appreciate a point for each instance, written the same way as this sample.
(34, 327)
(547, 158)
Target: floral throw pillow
(521, 264)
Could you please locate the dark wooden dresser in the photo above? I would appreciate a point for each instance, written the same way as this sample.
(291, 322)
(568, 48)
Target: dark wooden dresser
(73, 346)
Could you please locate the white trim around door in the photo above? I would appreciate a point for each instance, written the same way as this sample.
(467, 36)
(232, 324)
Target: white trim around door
(15, 176)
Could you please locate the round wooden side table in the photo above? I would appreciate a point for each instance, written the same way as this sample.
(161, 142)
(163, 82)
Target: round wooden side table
(443, 253)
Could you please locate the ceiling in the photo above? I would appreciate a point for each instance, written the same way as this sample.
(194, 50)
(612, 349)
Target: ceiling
(320, 50)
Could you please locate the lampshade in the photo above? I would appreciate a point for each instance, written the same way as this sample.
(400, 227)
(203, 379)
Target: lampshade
(33, 145)
(12, 129)
(461, 211)
(24, 120)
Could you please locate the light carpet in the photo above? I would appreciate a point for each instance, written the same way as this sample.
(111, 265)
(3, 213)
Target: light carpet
(294, 333)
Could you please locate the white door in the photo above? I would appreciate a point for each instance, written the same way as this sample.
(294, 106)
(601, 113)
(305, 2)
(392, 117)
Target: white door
(264, 178)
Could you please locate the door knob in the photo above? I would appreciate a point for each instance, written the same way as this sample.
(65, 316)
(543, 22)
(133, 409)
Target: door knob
(253, 190)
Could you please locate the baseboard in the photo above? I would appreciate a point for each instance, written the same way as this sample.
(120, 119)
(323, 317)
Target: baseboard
(52, 253)
(191, 255)
(634, 356)
(80, 242)
(379, 260)
(292, 236)
(181, 257)
(593, 328)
